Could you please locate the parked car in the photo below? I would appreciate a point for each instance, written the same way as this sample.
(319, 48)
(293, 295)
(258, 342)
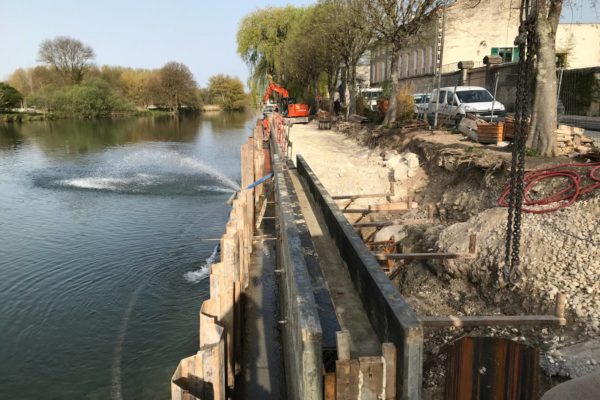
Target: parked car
(452, 107)
(421, 102)
(371, 95)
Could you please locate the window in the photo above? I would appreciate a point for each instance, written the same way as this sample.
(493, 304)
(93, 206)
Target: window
(415, 63)
(450, 97)
(430, 63)
(422, 65)
(508, 54)
(561, 60)
(406, 65)
(474, 96)
(442, 96)
(399, 66)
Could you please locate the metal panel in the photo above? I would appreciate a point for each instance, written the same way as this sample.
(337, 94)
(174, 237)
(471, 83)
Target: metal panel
(492, 368)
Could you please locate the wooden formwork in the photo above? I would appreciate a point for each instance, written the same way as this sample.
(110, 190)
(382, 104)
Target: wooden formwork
(362, 378)
(211, 372)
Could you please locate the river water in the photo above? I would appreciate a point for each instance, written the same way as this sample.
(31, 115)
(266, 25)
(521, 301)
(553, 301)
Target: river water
(103, 250)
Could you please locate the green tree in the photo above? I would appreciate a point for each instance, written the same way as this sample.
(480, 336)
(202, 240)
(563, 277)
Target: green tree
(70, 57)
(227, 91)
(310, 56)
(260, 40)
(175, 86)
(9, 97)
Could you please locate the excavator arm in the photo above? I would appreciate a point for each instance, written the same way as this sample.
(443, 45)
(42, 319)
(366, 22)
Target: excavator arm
(273, 87)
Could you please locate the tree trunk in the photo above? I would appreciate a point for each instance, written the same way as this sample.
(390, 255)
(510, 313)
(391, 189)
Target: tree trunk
(544, 115)
(390, 115)
(345, 85)
(352, 89)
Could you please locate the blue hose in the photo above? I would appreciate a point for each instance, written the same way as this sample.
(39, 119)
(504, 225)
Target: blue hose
(260, 181)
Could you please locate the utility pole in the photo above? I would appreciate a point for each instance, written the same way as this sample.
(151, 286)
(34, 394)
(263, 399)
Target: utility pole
(440, 31)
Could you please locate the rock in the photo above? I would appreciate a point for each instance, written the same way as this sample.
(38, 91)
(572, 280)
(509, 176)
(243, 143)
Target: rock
(412, 160)
(394, 160)
(400, 172)
(399, 191)
(576, 360)
(395, 231)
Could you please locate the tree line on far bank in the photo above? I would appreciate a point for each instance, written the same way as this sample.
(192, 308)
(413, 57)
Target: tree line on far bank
(68, 84)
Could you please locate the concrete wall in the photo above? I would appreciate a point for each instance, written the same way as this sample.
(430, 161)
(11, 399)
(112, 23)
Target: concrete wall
(392, 319)
(580, 43)
(302, 333)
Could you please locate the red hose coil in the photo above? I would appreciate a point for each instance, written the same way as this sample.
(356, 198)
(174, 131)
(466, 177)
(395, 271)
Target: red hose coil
(565, 196)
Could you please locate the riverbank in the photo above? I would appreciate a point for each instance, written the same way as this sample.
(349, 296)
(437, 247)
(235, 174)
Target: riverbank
(12, 117)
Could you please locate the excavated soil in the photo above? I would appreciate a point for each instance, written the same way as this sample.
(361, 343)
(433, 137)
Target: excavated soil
(461, 182)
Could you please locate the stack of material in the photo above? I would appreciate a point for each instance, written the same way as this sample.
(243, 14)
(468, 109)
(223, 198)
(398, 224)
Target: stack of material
(324, 118)
(490, 132)
(570, 139)
(509, 128)
(480, 130)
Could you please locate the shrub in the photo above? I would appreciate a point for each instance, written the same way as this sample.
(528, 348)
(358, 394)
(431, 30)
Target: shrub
(405, 107)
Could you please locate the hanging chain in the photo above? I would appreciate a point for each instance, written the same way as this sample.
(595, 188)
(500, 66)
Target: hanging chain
(527, 43)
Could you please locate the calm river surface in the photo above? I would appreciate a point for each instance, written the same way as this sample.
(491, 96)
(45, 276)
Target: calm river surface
(102, 257)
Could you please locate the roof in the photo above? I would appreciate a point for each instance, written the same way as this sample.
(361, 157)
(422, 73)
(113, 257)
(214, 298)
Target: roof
(462, 88)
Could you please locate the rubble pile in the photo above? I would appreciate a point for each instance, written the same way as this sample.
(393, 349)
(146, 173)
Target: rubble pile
(570, 139)
(560, 253)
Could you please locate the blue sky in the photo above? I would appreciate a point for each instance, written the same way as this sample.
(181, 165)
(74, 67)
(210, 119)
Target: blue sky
(144, 33)
(147, 33)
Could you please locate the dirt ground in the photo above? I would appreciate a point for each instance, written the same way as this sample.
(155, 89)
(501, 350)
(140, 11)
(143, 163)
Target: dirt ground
(461, 181)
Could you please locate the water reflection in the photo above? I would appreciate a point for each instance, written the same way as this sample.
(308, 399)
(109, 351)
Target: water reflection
(76, 137)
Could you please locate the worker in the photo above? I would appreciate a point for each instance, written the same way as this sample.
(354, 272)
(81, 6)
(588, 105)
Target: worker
(337, 107)
(265, 124)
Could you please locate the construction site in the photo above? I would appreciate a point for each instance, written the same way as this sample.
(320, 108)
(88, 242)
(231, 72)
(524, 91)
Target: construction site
(441, 255)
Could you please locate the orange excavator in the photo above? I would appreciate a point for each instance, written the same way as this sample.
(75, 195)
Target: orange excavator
(298, 112)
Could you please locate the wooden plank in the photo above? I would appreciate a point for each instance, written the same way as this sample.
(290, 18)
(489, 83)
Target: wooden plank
(492, 320)
(371, 211)
(377, 224)
(393, 206)
(421, 256)
(360, 196)
(330, 386)
(342, 339)
(237, 328)
(346, 379)
(390, 360)
(370, 378)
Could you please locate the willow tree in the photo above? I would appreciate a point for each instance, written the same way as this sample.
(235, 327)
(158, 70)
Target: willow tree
(394, 23)
(260, 40)
(311, 57)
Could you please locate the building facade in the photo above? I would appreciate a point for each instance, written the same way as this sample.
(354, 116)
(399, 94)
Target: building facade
(578, 45)
(475, 29)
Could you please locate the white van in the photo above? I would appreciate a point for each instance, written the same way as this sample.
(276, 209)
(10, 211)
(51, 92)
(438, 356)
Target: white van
(452, 107)
(371, 95)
